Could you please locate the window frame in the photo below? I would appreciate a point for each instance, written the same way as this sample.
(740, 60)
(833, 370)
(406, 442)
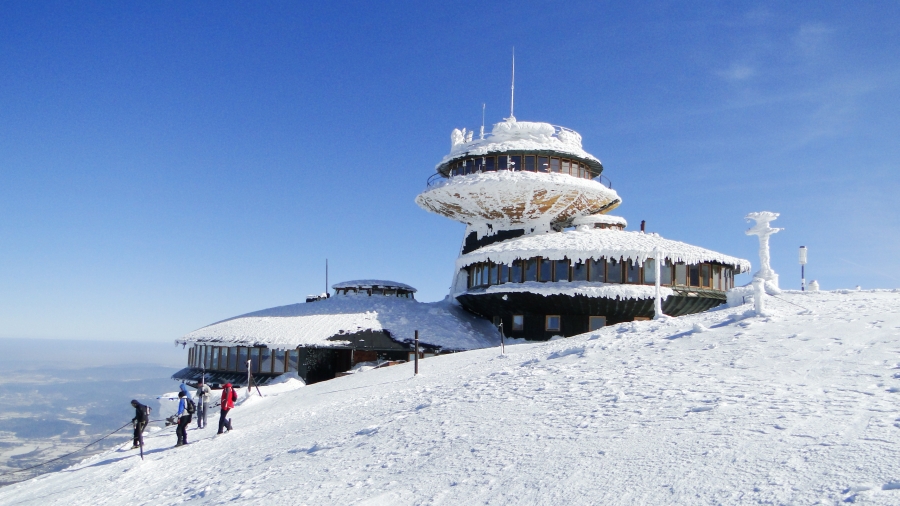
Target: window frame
(547, 327)
(520, 327)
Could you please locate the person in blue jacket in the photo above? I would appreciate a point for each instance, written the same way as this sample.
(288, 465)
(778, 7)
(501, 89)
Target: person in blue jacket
(184, 418)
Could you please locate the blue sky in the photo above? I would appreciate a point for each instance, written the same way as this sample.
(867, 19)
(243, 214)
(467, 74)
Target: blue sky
(164, 165)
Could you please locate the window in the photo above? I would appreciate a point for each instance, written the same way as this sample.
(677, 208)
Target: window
(597, 322)
(704, 276)
(518, 321)
(470, 166)
(278, 361)
(680, 274)
(529, 164)
(292, 360)
(489, 164)
(515, 272)
(492, 278)
(694, 271)
(561, 270)
(215, 358)
(377, 291)
(265, 360)
(566, 167)
(504, 274)
(515, 163)
(503, 163)
(546, 273)
(665, 273)
(232, 359)
(632, 272)
(554, 165)
(717, 277)
(242, 359)
(598, 270)
(650, 271)
(479, 164)
(613, 271)
(254, 360)
(579, 272)
(543, 164)
(531, 269)
(552, 323)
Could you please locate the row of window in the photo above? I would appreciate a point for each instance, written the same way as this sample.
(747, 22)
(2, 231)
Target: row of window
(234, 358)
(387, 292)
(706, 275)
(527, 163)
(553, 322)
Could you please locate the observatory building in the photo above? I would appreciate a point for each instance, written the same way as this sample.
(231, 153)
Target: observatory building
(541, 256)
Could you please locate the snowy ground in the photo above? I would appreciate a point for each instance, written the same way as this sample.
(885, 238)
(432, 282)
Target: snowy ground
(795, 408)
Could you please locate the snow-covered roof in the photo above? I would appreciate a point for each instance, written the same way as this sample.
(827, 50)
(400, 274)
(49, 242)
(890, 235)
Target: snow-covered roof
(580, 245)
(512, 135)
(587, 288)
(442, 324)
(600, 218)
(369, 283)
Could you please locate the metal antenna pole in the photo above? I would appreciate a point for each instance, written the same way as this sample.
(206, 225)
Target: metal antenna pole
(482, 120)
(326, 278)
(512, 93)
(417, 352)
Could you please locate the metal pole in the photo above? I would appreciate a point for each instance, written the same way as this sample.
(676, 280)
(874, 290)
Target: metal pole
(502, 347)
(249, 388)
(417, 352)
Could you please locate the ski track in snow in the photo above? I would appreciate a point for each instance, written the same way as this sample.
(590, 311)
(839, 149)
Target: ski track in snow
(794, 408)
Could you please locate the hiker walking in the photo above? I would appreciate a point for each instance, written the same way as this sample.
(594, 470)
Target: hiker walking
(228, 398)
(202, 403)
(186, 408)
(140, 420)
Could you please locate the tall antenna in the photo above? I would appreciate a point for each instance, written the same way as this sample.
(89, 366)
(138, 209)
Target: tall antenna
(326, 278)
(482, 120)
(512, 93)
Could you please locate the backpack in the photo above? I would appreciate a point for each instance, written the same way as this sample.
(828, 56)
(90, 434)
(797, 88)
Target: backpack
(191, 408)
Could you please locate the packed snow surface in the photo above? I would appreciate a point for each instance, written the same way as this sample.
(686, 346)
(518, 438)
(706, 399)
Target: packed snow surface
(580, 245)
(442, 324)
(714, 408)
(587, 288)
(369, 283)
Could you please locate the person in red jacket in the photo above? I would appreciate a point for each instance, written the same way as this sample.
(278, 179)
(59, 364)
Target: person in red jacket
(228, 398)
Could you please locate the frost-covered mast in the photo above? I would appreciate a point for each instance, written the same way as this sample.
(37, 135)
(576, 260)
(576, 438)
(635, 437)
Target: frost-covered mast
(512, 89)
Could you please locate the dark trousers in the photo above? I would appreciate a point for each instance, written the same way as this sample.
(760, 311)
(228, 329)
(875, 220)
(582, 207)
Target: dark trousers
(181, 431)
(139, 433)
(201, 414)
(224, 423)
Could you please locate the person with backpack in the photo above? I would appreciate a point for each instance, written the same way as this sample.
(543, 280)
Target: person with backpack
(140, 421)
(203, 392)
(227, 403)
(186, 408)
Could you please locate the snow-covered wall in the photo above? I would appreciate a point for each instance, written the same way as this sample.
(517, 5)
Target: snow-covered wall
(442, 324)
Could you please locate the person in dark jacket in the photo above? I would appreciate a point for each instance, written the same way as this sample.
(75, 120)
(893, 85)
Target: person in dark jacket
(140, 420)
(203, 392)
(227, 403)
(184, 418)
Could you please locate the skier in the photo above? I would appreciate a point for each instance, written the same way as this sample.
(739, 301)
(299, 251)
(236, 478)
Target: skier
(202, 403)
(140, 420)
(228, 398)
(186, 408)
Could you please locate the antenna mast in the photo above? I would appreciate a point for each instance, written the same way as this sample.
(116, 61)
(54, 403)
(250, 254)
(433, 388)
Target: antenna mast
(326, 278)
(512, 93)
(482, 120)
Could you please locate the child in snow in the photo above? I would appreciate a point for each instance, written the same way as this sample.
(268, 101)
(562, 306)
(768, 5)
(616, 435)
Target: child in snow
(202, 402)
(140, 420)
(228, 398)
(184, 418)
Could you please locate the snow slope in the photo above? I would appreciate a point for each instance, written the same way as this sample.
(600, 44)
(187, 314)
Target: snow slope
(713, 408)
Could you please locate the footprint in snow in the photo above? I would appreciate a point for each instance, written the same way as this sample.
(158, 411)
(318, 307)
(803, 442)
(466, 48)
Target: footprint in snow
(700, 409)
(367, 431)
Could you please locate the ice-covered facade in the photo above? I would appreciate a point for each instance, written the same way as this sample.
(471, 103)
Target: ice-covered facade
(540, 255)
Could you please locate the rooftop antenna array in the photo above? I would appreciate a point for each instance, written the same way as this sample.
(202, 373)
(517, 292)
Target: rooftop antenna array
(512, 92)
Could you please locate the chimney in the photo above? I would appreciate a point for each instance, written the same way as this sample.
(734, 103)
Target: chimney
(643, 223)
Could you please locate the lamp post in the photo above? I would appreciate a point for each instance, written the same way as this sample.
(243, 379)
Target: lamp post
(802, 268)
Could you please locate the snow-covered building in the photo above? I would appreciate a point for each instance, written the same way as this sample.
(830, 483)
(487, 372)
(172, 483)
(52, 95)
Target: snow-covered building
(541, 256)
(364, 321)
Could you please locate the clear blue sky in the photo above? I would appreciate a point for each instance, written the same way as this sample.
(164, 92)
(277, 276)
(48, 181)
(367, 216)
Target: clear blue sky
(164, 165)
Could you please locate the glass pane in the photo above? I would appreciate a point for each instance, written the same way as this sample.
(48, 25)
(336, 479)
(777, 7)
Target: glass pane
(531, 269)
(515, 275)
(215, 358)
(598, 270)
(492, 279)
(207, 356)
(565, 166)
(680, 274)
(665, 273)
(695, 275)
(529, 164)
(613, 271)
(650, 271)
(632, 272)
(546, 270)
(242, 359)
(279, 360)
(579, 272)
(254, 360)
(470, 166)
(489, 164)
(479, 164)
(265, 360)
(232, 359)
(292, 360)
(504, 274)
(543, 164)
(561, 270)
(554, 165)
(717, 277)
(552, 322)
(515, 162)
(518, 322)
(704, 275)
(598, 322)
(502, 163)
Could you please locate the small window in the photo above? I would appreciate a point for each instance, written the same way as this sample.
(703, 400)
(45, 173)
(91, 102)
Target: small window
(566, 167)
(529, 164)
(265, 360)
(552, 323)
(242, 359)
(531, 267)
(215, 358)
(579, 271)
(518, 321)
(680, 274)
(597, 322)
(546, 270)
(554, 165)
(479, 164)
(232, 359)
(613, 271)
(470, 166)
(695, 275)
(390, 292)
(492, 278)
(489, 164)
(504, 274)
(598, 270)
(515, 163)
(561, 270)
(515, 272)
(503, 163)
(278, 361)
(377, 291)
(665, 273)
(650, 271)
(704, 276)
(717, 277)
(632, 272)
(254, 360)
(543, 164)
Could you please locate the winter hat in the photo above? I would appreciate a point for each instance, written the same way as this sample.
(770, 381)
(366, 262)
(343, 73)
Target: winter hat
(180, 394)
(134, 402)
